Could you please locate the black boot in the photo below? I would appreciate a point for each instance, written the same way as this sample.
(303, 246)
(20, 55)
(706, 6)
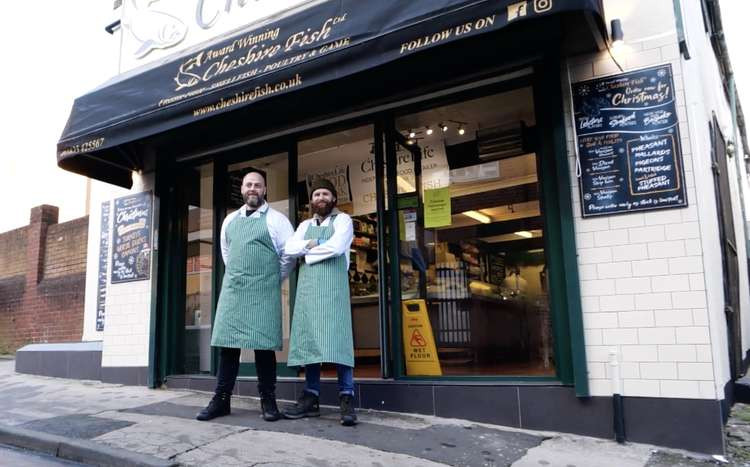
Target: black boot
(269, 409)
(348, 417)
(306, 406)
(218, 407)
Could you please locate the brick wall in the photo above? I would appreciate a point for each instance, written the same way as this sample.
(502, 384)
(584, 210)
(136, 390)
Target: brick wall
(42, 280)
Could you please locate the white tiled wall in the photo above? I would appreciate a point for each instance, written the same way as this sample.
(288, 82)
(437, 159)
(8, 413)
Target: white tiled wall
(128, 305)
(642, 275)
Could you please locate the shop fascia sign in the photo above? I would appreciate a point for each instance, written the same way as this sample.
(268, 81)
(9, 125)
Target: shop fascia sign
(152, 29)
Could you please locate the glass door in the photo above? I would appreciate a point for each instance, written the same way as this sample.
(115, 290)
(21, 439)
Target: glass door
(196, 316)
(347, 158)
(275, 168)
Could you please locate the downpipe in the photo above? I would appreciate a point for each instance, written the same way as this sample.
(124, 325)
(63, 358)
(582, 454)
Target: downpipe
(618, 408)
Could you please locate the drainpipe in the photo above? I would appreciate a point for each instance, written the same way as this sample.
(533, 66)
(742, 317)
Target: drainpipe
(737, 157)
(618, 409)
(739, 129)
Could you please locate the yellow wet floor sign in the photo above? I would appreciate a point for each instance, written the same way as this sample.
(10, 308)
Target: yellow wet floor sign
(420, 352)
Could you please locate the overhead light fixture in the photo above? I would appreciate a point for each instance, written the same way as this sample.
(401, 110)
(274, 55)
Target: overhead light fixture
(618, 36)
(443, 127)
(409, 142)
(524, 234)
(428, 130)
(412, 134)
(461, 126)
(478, 216)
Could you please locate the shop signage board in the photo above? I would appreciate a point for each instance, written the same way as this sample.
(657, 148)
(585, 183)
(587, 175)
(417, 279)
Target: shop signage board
(131, 238)
(153, 29)
(313, 44)
(628, 139)
(101, 278)
(355, 165)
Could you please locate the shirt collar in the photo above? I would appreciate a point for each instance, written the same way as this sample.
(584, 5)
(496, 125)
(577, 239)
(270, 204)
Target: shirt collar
(263, 208)
(320, 219)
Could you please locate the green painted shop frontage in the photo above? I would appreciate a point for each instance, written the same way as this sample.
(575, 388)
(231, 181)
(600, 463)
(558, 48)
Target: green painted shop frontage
(443, 127)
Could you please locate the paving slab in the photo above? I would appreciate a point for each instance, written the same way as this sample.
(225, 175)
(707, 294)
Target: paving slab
(569, 451)
(78, 426)
(268, 449)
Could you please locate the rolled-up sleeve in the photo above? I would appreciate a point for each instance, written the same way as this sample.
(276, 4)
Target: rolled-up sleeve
(296, 246)
(281, 231)
(337, 245)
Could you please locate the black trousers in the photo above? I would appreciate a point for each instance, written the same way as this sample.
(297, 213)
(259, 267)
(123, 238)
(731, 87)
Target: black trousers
(229, 367)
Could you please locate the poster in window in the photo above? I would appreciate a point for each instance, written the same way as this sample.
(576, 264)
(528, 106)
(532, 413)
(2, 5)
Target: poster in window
(628, 139)
(131, 238)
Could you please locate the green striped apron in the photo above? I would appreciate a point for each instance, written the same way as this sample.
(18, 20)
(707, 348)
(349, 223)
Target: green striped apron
(322, 321)
(248, 315)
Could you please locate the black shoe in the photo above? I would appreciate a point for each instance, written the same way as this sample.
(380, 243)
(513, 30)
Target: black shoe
(218, 407)
(306, 406)
(269, 409)
(348, 417)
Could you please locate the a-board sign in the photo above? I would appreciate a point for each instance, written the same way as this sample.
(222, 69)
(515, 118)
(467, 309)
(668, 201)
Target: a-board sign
(420, 352)
(131, 238)
(628, 140)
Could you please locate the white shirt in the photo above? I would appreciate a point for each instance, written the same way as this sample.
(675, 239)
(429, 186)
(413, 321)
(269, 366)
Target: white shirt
(338, 244)
(279, 228)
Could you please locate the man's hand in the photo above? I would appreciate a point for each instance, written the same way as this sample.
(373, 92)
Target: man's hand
(312, 243)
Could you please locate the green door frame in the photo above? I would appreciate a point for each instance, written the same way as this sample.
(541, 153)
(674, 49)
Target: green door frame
(562, 262)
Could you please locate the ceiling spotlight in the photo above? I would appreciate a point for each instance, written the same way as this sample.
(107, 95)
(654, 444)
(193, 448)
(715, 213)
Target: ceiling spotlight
(410, 142)
(428, 130)
(524, 234)
(443, 127)
(412, 134)
(461, 130)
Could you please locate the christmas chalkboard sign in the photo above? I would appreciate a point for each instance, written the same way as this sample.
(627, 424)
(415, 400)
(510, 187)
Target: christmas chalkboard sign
(131, 238)
(628, 139)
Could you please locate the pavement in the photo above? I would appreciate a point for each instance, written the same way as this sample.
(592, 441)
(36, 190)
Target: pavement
(96, 423)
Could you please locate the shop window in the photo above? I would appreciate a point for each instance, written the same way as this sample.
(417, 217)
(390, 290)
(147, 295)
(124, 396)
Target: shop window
(199, 269)
(346, 158)
(473, 245)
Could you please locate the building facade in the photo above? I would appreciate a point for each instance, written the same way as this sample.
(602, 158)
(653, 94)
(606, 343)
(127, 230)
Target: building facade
(558, 185)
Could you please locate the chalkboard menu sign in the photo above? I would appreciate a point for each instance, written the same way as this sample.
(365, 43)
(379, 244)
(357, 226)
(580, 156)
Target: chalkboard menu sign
(101, 278)
(131, 238)
(629, 143)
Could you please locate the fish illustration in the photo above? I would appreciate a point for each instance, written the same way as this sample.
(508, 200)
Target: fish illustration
(153, 29)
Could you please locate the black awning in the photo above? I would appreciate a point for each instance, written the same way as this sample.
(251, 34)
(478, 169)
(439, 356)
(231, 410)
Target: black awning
(289, 54)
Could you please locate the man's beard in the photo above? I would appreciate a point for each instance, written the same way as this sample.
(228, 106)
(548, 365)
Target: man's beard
(252, 200)
(322, 208)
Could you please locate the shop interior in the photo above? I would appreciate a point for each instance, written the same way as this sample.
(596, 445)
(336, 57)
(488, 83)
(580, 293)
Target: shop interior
(481, 266)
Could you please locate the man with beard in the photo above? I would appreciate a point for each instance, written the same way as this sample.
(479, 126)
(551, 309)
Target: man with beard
(248, 315)
(322, 321)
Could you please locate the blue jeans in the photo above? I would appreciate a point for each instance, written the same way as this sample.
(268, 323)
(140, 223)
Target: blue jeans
(345, 374)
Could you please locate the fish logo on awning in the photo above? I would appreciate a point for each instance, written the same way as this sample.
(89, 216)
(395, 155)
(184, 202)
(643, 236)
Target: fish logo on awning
(153, 29)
